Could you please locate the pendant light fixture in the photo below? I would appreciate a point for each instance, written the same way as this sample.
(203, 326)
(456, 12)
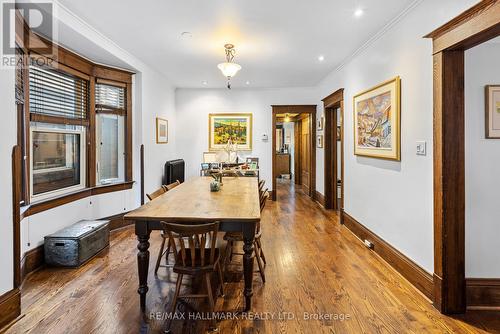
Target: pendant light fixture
(229, 68)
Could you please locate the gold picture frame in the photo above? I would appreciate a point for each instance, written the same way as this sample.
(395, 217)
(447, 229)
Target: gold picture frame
(161, 130)
(377, 121)
(492, 112)
(237, 126)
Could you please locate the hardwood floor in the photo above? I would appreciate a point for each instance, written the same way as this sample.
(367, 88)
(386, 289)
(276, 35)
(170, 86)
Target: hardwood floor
(314, 265)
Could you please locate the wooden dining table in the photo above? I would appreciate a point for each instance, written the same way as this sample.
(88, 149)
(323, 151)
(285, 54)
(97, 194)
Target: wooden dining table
(236, 206)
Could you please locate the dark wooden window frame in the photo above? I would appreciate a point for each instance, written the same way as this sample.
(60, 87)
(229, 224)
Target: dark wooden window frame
(295, 109)
(330, 103)
(450, 41)
(74, 64)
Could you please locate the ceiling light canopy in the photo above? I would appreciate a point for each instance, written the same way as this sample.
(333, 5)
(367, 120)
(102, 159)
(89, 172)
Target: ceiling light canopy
(229, 68)
(359, 12)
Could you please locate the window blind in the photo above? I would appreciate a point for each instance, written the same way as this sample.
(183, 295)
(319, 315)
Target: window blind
(19, 77)
(109, 99)
(56, 93)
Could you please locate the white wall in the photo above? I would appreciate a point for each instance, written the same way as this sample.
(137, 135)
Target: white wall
(482, 158)
(8, 140)
(158, 100)
(194, 105)
(393, 199)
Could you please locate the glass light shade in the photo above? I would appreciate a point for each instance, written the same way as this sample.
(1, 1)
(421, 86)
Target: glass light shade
(229, 69)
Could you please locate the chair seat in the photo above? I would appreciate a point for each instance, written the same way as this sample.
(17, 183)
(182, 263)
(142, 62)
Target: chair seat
(189, 269)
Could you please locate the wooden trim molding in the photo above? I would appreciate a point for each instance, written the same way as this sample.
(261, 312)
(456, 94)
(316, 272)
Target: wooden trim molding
(309, 109)
(10, 306)
(16, 212)
(117, 221)
(75, 196)
(474, 26)
(334, 98)
(415, 274)
(483, 293)
(32, 261)
(318, 197)
(331, 102)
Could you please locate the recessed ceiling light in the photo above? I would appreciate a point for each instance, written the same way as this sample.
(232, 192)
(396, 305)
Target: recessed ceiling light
(248, 82)
(321, 58)
(186, 34)
(204, 82)
(358, 12)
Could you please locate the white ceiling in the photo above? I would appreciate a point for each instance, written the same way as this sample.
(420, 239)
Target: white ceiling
(277, 42)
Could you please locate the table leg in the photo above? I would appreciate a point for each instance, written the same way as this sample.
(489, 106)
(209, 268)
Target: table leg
(248, 239)
(142, 232)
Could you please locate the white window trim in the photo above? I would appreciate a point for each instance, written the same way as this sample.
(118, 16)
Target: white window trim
(83, 164)
(121, 148)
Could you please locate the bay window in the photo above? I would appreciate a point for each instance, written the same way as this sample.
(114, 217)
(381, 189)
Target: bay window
(74, 127)
(58, 105)
(110, 131)
(57, 159)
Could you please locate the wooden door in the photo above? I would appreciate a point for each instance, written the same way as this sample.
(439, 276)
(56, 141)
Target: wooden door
(296, 153)
(305, 154)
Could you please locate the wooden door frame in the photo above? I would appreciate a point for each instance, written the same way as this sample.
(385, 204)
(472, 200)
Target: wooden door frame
(330, 104)
(450, 41)
(295, 109)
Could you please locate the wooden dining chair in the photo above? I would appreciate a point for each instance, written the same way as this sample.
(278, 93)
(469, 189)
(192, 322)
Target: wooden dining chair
(162, 252)
(233, 237)
(157, 193)
(194, 258)
(172, 185)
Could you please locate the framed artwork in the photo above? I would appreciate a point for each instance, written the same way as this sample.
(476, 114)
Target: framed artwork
(377, 127)
(223, 127)
(210, 157)
(319, 141)
(161, 131)
(321, 123)
(492, 98)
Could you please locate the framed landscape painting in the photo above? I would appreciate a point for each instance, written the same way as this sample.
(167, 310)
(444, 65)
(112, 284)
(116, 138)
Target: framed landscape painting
(223, 127)
(492, 99)
(161, 131)
(377, 127)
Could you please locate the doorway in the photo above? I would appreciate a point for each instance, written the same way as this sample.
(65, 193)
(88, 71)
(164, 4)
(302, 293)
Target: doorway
(294, 153)
(334, 150)
(478, 24)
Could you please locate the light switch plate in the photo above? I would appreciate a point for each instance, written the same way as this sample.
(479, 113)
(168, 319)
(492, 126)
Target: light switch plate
(421, 148)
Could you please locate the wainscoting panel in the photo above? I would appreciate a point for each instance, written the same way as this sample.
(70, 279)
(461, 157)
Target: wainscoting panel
(483, 293)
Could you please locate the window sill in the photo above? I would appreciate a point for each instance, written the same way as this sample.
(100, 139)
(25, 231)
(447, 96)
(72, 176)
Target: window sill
(28, 210)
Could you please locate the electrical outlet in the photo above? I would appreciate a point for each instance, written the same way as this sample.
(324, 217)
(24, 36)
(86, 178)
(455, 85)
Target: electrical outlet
(421, 148)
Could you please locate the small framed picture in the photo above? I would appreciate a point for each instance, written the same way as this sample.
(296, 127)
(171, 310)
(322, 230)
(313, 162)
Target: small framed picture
(161, 131)
(321, 123)
(492, 98)
(319, 141)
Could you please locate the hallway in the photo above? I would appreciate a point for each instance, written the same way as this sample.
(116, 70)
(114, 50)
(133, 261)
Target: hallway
(316, 268)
